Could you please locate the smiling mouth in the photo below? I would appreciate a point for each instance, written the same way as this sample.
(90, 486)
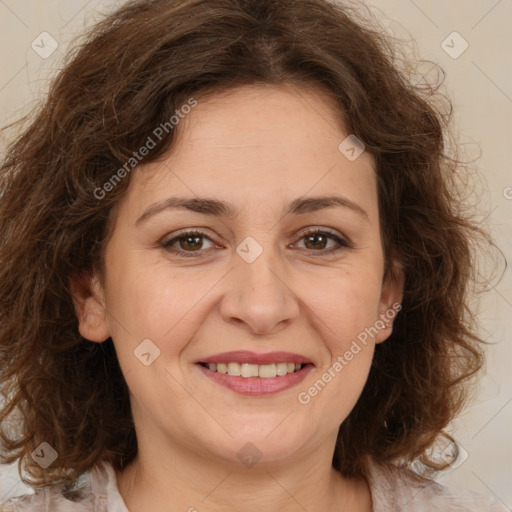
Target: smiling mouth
(247, 370)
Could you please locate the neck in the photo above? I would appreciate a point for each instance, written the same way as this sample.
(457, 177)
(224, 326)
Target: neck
(180, 478)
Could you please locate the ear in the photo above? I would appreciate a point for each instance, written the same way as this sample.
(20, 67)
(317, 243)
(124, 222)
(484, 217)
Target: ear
(88, 298)
(390, 301)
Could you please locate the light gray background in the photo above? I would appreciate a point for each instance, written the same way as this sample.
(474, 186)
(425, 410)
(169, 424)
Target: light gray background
(480, 84)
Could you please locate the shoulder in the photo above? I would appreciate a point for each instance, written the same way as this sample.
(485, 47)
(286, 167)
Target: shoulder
(395, 488)
(79, 499)
(44, 501)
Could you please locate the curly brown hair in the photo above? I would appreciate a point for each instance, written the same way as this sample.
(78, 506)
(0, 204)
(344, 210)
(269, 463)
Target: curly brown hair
(132, 71)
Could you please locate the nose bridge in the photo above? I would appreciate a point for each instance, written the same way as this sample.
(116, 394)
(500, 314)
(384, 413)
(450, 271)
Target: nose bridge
(258, 295)
(258, 267)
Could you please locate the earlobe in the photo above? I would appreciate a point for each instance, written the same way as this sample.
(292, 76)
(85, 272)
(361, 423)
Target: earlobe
(390, 301)
(88, 299)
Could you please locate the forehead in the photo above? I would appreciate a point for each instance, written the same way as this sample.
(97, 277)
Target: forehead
(263, 119)
(260, 144)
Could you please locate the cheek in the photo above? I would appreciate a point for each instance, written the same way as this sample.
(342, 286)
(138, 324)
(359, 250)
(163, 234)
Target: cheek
(138, 292)
(343, 314)
(158, 303)
(345, 306)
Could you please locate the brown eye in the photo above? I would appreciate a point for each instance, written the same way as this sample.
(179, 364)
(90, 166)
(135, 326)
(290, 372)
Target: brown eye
(188, 243)
(317, 241)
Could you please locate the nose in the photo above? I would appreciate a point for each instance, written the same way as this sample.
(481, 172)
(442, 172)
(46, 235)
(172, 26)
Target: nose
(259, 296)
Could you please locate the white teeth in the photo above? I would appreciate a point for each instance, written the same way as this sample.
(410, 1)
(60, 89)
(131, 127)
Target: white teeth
(267, 371)
(281, 368)
(249, 370)
(234, 369)
(263, 371)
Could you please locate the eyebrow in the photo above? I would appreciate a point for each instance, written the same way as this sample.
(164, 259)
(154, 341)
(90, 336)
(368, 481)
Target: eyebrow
(214, 207)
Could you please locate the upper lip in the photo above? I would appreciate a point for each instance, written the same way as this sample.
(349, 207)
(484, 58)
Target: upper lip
(245, 356)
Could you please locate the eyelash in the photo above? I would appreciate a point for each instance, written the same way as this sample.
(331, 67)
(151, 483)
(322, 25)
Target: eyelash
(343, 244)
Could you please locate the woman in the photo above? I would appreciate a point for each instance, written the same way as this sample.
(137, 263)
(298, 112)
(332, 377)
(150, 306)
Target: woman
(234, 270)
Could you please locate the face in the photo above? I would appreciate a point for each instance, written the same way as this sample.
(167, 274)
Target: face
(263, 266)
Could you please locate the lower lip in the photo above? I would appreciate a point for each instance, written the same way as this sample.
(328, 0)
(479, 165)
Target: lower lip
(255, 386)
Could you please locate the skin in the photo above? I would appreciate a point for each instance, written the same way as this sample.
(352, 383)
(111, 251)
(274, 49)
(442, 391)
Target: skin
(258, 148)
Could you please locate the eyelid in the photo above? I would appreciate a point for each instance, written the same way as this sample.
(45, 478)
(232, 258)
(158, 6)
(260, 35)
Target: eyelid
(325, 230)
